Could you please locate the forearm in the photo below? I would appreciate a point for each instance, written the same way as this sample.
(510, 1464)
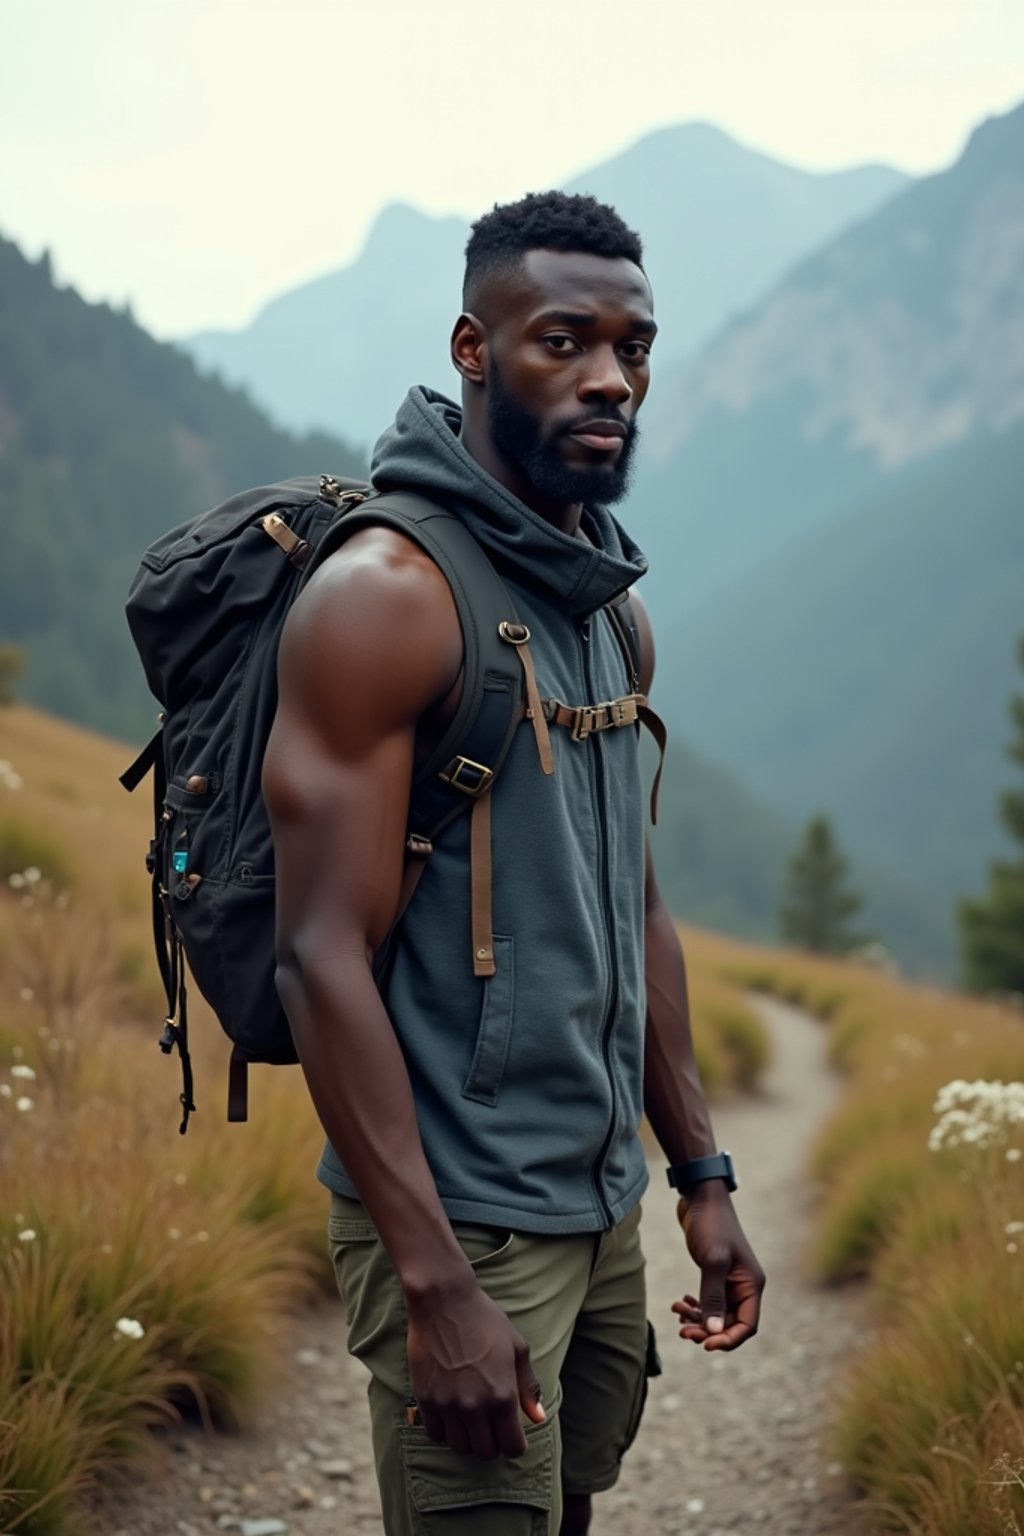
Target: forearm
(359, 1084)
(673, 1096)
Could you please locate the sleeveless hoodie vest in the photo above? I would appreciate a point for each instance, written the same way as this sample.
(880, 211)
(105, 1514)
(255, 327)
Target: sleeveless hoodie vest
(528, 1083)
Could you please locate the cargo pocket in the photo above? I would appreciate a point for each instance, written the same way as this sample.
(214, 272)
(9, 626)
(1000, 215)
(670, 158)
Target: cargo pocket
(369, 1288)
(488, 1065)
(451, 1493)
(651, 1367)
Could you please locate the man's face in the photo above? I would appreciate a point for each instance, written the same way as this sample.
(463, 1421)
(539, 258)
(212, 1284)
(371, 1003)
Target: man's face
(567, 370)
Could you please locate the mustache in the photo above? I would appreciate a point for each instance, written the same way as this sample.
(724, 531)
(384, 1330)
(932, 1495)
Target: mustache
(628, 427)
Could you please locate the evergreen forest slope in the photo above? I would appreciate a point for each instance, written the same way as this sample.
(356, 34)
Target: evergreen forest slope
(869, 669)
(107, 438)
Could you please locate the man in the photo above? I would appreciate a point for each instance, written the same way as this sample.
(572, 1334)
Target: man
(483, 1153)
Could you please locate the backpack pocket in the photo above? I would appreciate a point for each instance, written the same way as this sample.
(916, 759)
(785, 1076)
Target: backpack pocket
(487, 1068)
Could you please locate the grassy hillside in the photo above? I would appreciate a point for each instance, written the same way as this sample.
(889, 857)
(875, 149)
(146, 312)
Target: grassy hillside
(141, 1272)
(921, 1197)
(107, 438)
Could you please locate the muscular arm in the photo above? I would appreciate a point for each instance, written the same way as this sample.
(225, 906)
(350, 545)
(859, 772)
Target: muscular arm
(731, 1279)
(370, 646)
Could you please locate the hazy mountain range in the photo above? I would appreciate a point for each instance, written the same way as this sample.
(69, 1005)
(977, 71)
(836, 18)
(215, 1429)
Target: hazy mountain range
(829, 483)
(720, 224)
(829, 491)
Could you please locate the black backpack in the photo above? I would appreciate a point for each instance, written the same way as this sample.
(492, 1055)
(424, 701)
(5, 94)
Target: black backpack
(206, 610)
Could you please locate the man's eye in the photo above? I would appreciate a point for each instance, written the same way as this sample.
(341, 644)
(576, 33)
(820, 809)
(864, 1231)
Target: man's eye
(560, 343)
(636, 351)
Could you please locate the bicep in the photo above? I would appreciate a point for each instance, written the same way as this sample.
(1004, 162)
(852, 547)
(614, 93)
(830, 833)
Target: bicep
(338, 820)
(362, 656)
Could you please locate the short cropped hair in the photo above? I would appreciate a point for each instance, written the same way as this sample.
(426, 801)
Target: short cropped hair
(552, 221)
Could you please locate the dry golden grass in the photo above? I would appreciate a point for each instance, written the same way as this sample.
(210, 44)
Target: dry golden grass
(108, 1214)
(932, 1424)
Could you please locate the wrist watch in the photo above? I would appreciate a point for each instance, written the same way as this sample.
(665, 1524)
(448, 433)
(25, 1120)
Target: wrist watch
(717, 1166)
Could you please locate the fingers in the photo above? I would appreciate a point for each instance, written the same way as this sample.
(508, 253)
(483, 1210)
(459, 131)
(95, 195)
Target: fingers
(713, 1279)
(456, 1435)
(508, 1432)
(739, 1322)
(528, 1385)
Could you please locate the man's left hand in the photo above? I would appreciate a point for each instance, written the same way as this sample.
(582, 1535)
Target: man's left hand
(729, 1307)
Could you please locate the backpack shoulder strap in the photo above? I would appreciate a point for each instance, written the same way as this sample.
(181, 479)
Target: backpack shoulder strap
(460, 771)
(622, 615)
(623, 619)
(468, 757)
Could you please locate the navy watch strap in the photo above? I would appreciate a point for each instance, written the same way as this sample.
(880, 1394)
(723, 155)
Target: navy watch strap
(717, 1166)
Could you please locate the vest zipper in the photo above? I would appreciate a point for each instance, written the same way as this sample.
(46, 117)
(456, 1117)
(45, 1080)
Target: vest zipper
(611, 1008)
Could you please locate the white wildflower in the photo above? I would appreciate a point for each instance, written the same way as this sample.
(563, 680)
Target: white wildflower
(1011, 1247)
(26, 994)
(174, 1233)
(27, 1235)
(1013, 1154)
(977, 1114)
(128, 1328)
(695, 1506)
(179, 1178)
(1013, 1227)
(24, 1104)
(32, 875)
(16, 881)
(26, 1072)
(5, 1090)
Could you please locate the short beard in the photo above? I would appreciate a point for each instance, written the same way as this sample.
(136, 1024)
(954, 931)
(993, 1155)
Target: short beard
(519, 437)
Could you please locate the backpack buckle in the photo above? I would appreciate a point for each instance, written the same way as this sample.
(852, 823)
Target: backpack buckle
(472, 778)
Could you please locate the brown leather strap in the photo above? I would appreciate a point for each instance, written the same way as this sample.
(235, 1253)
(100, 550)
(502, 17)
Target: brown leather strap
(480, 885)
(238, 1087)
(519, 636)
(585, 718)
(658, 729)
(297, 550)
(632, 709)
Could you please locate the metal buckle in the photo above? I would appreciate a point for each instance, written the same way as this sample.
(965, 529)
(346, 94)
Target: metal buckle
(623, 711)
(585, 721)
(472, 778)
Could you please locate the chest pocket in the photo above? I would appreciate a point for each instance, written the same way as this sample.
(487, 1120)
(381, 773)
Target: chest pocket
(486, 1070)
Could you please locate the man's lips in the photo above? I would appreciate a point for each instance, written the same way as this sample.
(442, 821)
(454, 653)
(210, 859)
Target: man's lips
(606, 436)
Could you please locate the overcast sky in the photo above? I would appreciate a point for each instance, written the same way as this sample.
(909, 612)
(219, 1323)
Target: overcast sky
(199, 156)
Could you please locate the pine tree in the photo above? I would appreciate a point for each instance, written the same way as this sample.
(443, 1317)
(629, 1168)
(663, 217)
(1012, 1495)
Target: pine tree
(818, 904)
(992, 927)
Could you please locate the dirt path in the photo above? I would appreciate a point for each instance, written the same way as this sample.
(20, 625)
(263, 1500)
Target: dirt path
(730, 1444)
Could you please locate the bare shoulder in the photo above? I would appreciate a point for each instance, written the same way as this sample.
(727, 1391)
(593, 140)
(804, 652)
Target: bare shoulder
(646, 633)
(376, 629)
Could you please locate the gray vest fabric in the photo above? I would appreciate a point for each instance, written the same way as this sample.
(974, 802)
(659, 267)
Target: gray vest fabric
(528, 1084)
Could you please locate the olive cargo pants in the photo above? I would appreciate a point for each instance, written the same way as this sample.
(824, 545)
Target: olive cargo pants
(579, 1302)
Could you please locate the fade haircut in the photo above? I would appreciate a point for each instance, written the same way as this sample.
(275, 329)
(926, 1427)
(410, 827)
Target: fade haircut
(550, 221)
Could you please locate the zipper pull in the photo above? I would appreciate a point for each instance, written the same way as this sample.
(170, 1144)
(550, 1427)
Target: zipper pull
(585, 631)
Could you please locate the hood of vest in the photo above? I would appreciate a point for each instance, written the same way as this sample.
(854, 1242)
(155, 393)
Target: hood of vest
(422, 451)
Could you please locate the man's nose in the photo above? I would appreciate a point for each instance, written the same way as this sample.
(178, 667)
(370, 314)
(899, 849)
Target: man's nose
(604, 378)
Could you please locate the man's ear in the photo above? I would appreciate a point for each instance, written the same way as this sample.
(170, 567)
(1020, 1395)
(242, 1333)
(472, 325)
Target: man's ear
(469, 348)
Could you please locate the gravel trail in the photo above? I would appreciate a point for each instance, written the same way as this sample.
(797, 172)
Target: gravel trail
(730, 1444)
